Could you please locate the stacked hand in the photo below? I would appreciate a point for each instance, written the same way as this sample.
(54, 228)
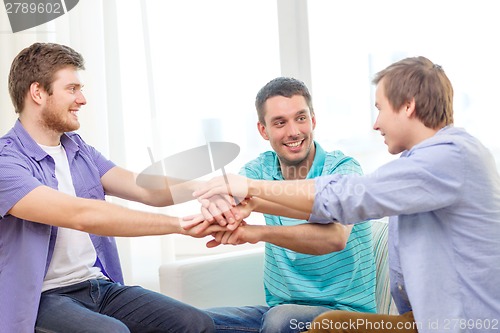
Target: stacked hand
(224, 203)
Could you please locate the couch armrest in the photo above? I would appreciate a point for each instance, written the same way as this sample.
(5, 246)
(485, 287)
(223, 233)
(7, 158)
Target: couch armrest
(238, 277)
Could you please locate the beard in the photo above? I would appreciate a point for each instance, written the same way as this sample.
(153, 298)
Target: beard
(55, 120)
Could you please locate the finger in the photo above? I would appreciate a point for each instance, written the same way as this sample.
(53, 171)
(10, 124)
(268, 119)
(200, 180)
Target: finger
(229, 199)
(225, 237)
(207, 215)
(233, 226)
(234, 238)
(217, 214)
(218, 236)
(238, 216)
(189, 223)
(201, 227)
(212, 243)
(204, 202)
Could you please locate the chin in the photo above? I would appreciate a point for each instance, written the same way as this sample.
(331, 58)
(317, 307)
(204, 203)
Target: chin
(394, 151)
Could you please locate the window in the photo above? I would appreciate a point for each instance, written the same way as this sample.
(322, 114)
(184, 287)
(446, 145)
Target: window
(352, 40)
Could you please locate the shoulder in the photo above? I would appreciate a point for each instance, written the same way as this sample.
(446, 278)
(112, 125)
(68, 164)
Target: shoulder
(8, 141)
(337, 162)
(449, 146)
(11, 149)
(260, 166)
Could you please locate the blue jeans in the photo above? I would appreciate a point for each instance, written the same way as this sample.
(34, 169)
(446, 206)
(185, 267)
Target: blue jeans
(286, 318)
(103, 306)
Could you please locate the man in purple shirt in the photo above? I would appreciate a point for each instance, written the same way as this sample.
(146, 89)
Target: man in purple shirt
(59, 267)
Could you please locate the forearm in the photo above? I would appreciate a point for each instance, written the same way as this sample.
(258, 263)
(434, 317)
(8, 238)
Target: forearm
(106, 219)
(296, 195)
(267, 207)
(48, 206)
(306, 238)
(152, 190)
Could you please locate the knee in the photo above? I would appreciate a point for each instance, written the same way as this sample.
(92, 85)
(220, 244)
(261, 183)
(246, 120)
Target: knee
(329, 322)
(282, 319)
(333, 316)
(198, 322)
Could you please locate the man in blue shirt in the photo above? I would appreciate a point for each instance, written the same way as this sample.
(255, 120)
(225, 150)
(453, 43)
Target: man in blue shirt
(59, 269)
(443, 196)
(309, 269)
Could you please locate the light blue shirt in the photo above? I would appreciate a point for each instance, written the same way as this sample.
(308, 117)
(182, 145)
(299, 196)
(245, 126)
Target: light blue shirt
(26, 247)
(443, 197)
(343, 280)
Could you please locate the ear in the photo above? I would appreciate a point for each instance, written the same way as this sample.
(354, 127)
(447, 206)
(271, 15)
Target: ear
(313, 119)
(36, 93)
(410, 108)
(262, 130)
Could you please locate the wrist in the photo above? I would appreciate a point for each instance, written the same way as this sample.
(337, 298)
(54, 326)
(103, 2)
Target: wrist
(253, 187)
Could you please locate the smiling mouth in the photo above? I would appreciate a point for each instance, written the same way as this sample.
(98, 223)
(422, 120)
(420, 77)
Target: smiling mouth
(294, 144)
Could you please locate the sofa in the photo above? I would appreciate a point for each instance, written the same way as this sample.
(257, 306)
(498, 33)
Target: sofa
(236, 278)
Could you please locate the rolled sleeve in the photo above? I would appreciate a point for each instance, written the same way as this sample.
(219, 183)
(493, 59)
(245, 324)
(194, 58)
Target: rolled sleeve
(323, 203)
(15, 183)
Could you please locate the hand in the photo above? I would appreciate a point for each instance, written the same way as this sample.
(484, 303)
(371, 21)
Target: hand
(234, 185)
(234, 215)
(233, 237)
(219, 208)
(202, 229)
(239, 213)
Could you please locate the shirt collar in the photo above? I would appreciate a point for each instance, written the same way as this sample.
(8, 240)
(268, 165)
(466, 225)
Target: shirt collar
(316, 168)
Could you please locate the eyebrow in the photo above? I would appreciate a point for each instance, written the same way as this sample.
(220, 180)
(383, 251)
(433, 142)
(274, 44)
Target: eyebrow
(79, 85)
(298, 113)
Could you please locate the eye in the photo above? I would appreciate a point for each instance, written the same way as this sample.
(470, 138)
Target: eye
(279, 123)
(302, 118)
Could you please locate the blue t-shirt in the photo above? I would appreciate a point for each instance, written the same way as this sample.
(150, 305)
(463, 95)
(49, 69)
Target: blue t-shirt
(343, 280)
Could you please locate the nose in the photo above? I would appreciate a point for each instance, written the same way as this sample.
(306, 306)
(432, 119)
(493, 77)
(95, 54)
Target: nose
(80, 99)
(376, 127)
(292, 129)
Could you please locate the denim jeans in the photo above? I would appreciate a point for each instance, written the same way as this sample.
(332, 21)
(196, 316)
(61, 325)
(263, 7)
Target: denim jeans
(286, 318)
(96, 306)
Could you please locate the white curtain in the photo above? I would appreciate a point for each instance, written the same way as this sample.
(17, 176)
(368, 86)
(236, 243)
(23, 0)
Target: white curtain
(90, 28)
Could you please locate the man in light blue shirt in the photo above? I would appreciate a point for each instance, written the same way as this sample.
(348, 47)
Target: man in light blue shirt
(443, 196)
(309, 269)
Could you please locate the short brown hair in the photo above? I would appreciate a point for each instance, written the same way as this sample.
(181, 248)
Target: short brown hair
(281, 86)
(421, 79)
(39, 63)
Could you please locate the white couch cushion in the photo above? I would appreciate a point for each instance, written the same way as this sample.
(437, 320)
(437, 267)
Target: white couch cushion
(228, 279)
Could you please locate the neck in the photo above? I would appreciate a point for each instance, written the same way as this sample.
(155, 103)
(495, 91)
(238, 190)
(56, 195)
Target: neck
(40, 134)
(300, 170)
(423, 133)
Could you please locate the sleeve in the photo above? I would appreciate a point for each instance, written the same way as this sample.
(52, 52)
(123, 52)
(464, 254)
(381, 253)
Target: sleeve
(347, 165)
(427, 180)
(16, 181)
